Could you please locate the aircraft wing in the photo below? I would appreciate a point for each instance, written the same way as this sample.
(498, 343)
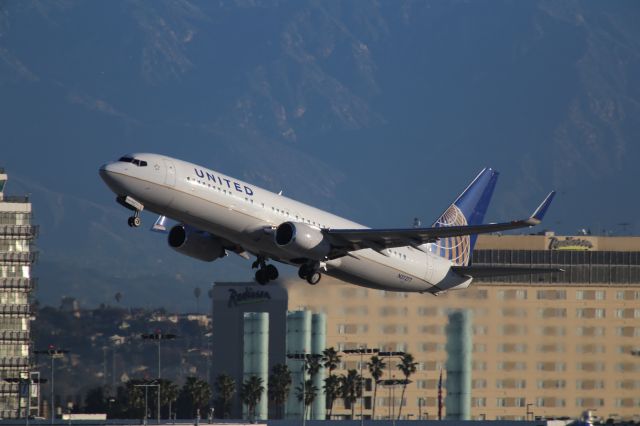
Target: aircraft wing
(379, 239)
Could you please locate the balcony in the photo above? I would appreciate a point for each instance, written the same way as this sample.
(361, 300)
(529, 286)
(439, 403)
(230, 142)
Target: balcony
(15, 199)
(14, 336)
(15, 309)
(14, 362)
(18, 257)
(24, 284)
(28, 231)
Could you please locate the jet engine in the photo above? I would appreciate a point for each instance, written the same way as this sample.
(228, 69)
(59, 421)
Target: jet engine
(301, 240)
(194, 243)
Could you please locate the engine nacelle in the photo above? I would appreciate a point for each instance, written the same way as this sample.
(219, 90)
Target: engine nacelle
(302, 241)
(196, 244)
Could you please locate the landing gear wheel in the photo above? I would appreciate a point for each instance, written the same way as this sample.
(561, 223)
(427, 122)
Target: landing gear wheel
(261, 276)
(314, 277)
(271, 272)
(303, 271)
(134, 221)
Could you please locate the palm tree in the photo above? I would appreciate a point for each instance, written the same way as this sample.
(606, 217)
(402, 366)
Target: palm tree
(408, 367)
(168, 393)
(332, 391)
(351, 389)
(279, 386)
(331, 360)
(226, 387)
(376, 368)
(194, 396)
(309, 393)
(251, 393)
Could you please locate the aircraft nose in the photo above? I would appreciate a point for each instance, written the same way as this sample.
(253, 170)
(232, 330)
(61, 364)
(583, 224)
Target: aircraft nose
(109, 175)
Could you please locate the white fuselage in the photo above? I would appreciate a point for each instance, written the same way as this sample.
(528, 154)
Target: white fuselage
(246, 215)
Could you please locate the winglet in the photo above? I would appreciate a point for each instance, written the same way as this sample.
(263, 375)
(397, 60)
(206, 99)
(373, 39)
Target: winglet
(538, 215)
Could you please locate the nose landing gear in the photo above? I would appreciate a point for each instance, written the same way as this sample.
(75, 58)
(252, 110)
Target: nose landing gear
(265, 273)
(135, 221)
(132, 204)
(310, 272)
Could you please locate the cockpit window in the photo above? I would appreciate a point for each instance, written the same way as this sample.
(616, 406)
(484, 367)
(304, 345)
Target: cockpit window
(139, 163)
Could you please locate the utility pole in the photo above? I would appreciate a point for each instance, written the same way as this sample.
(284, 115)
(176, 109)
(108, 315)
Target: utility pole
(159, 336)
(388, 355)
(304, 357)
(361, 351)
(52, 353)
(146, 387)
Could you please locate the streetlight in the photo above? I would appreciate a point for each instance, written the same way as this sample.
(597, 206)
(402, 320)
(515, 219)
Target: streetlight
(146, 387)
(420, 402)
(392, 383)
(361, 352)
(52, 353)
(159, 336)
(305, 358)
(388, 355)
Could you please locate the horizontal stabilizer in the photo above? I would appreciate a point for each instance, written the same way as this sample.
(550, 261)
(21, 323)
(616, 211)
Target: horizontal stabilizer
(480, 271)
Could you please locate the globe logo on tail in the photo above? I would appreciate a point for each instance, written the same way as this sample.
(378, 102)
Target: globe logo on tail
(456, 249)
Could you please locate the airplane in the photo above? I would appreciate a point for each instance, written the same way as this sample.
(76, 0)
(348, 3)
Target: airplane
(217, 214)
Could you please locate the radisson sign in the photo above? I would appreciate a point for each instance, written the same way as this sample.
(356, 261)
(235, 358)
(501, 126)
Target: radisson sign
(247, 296)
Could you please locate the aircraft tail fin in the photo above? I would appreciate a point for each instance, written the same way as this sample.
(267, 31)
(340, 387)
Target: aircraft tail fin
(468, 209)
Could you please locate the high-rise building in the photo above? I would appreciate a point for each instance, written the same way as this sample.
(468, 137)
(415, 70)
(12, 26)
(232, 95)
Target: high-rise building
(18, 393)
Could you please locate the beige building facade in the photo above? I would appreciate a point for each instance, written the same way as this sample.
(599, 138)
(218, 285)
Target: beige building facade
(546, 346)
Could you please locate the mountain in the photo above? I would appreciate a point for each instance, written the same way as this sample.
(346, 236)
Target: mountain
(377, 111)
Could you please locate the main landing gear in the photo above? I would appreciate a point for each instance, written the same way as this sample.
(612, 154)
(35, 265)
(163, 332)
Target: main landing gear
(310, 272)
(265, 273)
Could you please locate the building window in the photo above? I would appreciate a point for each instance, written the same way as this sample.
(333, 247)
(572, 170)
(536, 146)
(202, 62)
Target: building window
(552, 294)
(478, 384)
(511, 366)
(628, 295)
(589, 384)
(551, 347)
(590, 366)
(590, 331)
(512, 294)
(512, 347)
(552, 312)
(628, 331)
(590, 349)
(551, 384)
(551, 366)
(589, 402)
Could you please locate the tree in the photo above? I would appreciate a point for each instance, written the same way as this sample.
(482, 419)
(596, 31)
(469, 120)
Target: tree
(169, 393)
(331, 360)
(351, 389)
(308, 393)
(251, 393)
(279, 386)
(95, 401)
(226, 388)
(332, 391)
(194, 397)
(408, 367)
(376, 367)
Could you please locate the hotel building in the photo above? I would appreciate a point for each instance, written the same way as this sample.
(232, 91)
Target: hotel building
(542, 345)
(16, 283)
